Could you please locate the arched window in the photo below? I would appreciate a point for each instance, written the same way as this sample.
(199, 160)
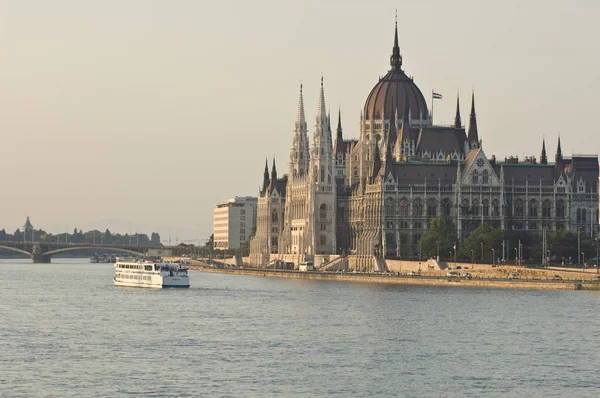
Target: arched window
(533, 208)
(560, 208)
(475, 177)
(519, 208)
(495, 208)
(323, 212)
(274, 216)
(322, 174)
(475, 207)
(417, 208)
(485, 177)
(431, 208)
(485, 208)
(464, 208)
(446, 206)
(389, 207)
(323, 240)
(546, 209)
(404, 207)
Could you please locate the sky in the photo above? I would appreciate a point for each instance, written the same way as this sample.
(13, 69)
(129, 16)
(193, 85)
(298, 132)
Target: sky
(141, 115)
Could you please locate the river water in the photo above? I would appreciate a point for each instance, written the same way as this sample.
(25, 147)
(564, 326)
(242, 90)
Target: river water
(66, 331)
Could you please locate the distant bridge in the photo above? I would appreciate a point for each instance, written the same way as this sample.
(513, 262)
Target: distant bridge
(41, 252)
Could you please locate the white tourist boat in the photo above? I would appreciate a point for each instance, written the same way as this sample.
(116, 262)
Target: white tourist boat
(157, 275)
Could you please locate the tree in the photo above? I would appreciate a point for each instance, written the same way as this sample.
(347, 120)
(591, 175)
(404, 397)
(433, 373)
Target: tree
(155, 239)
(491, 239)
(442, 230)
(107, 237)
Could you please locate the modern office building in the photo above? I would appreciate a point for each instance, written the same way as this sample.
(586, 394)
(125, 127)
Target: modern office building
(234, 222)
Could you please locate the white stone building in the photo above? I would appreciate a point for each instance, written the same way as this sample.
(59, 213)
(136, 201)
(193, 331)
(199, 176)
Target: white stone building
(373, 198)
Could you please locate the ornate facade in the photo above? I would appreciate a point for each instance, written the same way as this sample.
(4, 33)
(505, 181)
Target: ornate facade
(374, 197)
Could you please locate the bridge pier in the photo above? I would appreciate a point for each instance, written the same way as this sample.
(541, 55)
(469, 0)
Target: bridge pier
(40, 258)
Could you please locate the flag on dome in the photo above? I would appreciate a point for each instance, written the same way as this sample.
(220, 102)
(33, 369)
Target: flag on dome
(436, 95)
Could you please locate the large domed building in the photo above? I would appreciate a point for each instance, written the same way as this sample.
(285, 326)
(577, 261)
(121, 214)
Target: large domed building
(395, 91)
(370, 200)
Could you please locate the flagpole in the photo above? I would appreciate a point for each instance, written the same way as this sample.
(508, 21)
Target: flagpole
(432, 107)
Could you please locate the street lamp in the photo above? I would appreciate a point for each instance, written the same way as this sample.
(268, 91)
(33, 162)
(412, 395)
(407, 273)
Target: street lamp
(583, 263)
(481, 252)
(578, 245)
(472, 257)
(516, 256)
(438, 250)
(597, 265)
(493, 256)
(454, 254)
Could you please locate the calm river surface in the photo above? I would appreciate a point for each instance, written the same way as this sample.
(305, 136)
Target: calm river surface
(66, 331)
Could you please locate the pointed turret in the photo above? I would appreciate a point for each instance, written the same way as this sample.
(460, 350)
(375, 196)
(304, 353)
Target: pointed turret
(389, 161)
(376, 161)
(558, 157)
(457, 120)
(339, 139)
(300, 154)
(396, 58)
(543, 158)
(273, 173)
(265, 177)
(473, 135)
(321, 110)
(300, 118)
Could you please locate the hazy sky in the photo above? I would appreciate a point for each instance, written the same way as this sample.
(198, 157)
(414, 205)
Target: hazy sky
(150, 112)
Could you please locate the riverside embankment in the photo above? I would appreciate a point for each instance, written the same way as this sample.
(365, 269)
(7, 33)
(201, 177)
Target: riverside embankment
(424, 280)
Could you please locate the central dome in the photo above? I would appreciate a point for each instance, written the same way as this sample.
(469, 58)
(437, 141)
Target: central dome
(395, 91)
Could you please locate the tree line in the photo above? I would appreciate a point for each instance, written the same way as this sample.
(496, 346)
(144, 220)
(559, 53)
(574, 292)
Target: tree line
(80, 237)
(484, 244)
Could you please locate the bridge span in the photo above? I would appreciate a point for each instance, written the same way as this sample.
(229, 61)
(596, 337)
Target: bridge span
(42, 252)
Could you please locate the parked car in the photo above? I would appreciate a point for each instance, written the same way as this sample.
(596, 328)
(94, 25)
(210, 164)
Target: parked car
(468, 276)
(596, 278)
(452, 274)
(557, 278)
(513, 276)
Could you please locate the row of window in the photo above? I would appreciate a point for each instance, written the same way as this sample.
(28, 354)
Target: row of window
(134, 276)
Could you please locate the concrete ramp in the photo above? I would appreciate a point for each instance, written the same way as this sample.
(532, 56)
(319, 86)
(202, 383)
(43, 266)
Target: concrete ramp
(337, 264)
(437, 265)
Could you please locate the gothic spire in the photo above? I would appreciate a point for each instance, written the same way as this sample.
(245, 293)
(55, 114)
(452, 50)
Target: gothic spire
(265, 177)
(273, 172)
(339, 139)
(321, 111)
(396, 58)
(559, 155)
(472, 136)
(376, 161)
(300, 118)
(339, 126)
(457, 121)
(543, 158)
